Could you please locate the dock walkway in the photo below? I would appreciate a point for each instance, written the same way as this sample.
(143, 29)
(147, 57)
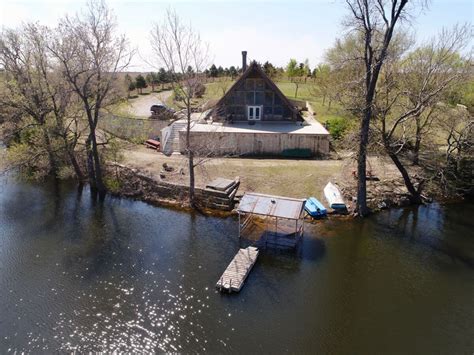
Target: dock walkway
(234, 276)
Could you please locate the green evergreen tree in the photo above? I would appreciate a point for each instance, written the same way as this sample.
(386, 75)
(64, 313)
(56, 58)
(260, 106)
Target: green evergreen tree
(233, 72)
(213, 71)
(140, 83)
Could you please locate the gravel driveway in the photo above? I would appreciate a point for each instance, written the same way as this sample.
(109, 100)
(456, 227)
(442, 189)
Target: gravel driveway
(141, 105)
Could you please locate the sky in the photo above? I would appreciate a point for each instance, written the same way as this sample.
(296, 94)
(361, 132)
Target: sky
(268, 30)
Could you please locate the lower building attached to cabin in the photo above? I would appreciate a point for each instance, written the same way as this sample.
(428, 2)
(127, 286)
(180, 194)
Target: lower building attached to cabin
(257, 140)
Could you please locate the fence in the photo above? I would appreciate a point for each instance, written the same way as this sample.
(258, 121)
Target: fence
(132, 129)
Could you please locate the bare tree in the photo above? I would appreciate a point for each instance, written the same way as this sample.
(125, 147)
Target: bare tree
(409, 91)
(90, 55)
(375, 21)
(24, 92)
(37, 98)
(63, 101)
(179, 47)
(460, 144)
(224, 84)
(428, 72)
(323, 83)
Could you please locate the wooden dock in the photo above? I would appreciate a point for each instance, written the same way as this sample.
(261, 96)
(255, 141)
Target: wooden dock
(234, 276)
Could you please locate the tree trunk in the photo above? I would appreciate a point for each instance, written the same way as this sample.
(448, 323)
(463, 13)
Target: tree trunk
(415, 196)
(190, 159)
(53, 168)
(97, 166)
(416, 148)
(75, 164)
(191, 179)
(296, 90)
(90, 163)
(324, 99)
(362, 208)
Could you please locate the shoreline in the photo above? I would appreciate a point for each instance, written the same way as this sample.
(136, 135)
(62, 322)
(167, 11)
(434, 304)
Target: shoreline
(127, 190)
(147, 194)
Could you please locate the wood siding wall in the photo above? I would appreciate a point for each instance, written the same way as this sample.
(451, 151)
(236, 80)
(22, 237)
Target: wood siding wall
(230, 143)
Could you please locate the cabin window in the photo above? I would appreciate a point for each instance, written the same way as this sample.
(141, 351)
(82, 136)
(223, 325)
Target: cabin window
(239, 98)
(255, 99)
(250, 100)
(249, 84)
(238, 110)
(268, 98)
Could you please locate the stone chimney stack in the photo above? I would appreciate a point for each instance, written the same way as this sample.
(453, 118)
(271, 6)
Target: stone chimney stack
(244, 61)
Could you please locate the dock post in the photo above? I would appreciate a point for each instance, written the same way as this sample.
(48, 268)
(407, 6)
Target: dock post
(239, 223)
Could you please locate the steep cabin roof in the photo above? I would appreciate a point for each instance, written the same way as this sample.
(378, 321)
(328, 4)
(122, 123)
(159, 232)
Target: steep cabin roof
(225, 109)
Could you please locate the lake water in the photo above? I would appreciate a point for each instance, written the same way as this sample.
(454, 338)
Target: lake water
(122, 275)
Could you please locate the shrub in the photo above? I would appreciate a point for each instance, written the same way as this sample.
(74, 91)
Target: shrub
(112, 184)
(297, 153)
(337, 126)
(199, 90)
(177, 94)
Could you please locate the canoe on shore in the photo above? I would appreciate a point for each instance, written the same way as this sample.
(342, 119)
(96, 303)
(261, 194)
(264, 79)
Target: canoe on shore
(334, 197)
(315, 208)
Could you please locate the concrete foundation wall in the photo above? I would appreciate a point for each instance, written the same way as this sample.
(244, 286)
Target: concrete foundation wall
(232, 143)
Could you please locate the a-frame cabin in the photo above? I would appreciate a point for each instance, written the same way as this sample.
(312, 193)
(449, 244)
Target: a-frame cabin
(254, 118)
(255, 98)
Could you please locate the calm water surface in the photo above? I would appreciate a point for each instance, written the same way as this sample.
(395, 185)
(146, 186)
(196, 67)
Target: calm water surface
(76, 274)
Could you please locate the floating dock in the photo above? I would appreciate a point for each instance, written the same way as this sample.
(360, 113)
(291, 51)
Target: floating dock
(234, 276)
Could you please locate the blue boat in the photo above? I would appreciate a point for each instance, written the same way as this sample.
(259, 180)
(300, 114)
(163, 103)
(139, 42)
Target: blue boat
(315, 208)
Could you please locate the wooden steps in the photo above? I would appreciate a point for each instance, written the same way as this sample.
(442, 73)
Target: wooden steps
(234, 276)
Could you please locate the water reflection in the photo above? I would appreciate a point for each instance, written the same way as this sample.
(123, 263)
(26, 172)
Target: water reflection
(81, 273)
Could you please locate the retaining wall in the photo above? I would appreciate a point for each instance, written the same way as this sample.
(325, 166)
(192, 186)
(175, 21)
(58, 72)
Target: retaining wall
(136, 184)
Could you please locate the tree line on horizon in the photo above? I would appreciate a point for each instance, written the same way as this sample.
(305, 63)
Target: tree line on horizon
(293, 69)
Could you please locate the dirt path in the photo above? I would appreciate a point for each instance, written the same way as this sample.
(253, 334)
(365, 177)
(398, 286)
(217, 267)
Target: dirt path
(140, 106)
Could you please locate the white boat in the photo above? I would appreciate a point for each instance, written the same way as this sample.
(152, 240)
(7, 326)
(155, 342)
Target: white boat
(334, 197)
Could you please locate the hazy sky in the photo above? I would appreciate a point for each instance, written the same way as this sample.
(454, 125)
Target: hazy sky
(268, 30)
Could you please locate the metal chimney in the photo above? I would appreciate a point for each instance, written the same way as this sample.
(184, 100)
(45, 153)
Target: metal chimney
(244, 61)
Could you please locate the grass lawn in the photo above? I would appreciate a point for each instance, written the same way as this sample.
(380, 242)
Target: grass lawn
(286, 177)
(214, 91)
(123, 108)
(323, 112)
